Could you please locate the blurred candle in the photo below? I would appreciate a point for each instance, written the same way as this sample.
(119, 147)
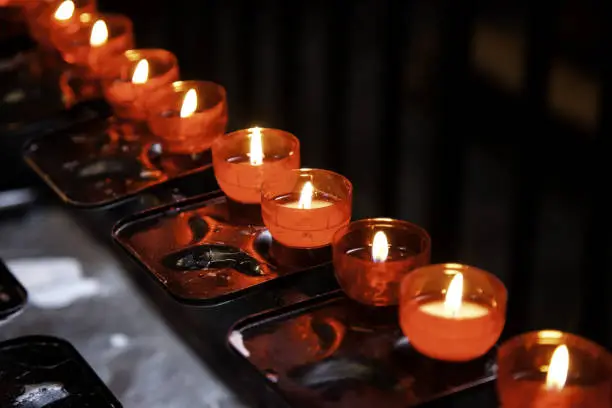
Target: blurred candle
(96, 38)
(187, 115)
(554, 369)
(456, 320)
(130, 78)
(48, 18)
(304, 208)
(371, 257)
(243, 159)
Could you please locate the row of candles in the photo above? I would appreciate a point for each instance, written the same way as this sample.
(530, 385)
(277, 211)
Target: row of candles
(449, 312)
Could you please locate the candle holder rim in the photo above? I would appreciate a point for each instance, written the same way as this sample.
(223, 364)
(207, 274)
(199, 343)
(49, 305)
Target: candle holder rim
(502, 295)
(107, 18)
(182, 82)
(535, 335)
(174, 88)
(338, 235)
(295, 142)
(347, 182)
(135, 54)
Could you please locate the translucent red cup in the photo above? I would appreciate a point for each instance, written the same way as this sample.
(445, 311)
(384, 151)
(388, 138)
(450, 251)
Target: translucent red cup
(372, 256)
(187, 115)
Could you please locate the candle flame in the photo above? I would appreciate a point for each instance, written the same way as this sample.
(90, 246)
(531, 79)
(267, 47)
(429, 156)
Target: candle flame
(99, 34)
(256, 155)
(558, 368)
(454, 295)
(65, 11)
(306, 196)
(380, 247)
(190, 103)
(141, 73)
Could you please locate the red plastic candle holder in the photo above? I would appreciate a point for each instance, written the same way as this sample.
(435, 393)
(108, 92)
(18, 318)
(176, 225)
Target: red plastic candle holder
(243, 159)
(96, 38)
(550, 368)
(452, 312)
(371, 257)
(46, 17)
(304, 208)
(129, 79)
(187, 115)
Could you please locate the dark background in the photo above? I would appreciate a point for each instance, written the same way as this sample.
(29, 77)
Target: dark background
(485, 122)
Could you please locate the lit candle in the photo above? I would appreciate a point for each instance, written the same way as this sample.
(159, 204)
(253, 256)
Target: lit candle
(446, 323)
(578, 373)
(129, 79)
(47, 18)
(371, 257)
(243, 159)
(187, 115)
(96, 38)
(299, 213)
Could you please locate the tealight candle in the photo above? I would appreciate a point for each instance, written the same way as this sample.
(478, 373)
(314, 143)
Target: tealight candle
(129, 79)
(550, 368)
(243, 159)
(96, 38)
(44, 18)
(371, 257)
(187, 115)
(452, 312)
(304, 208)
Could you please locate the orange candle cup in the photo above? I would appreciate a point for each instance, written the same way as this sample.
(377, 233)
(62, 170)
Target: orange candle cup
(550, 368)
(304, 208)
(97, 37)
(243, 159)
(48, 17)
(128, 79)
(187, 115)
(452, 312)
(371, 257)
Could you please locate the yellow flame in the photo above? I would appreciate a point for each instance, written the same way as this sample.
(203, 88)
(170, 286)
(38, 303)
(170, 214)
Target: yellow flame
(99, 34)
(454, 295)
(65, 11)
(85, 17)
(190, 103)
(306, 196)
(558, 368)
(380, 247)
(256, 154)
(141, 73)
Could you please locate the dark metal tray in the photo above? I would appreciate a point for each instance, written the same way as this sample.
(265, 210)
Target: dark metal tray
(13, 296)
(42, 371)
(104, 161)
(209, 250)
(332, 352)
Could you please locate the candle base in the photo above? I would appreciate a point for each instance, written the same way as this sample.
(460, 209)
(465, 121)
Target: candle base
(101, 162)
(202, 251)
(332, 351)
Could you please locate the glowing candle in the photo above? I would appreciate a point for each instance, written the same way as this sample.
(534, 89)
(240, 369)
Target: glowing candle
(96, 38)
(371, 257)
(443, 320)
(304, 208)
(549, 368)
(129, 79)
(243, 159)
(187, 115)
(46, 19)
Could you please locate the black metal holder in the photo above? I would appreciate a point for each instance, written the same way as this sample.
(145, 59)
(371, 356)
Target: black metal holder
(332, 352)
(209, 250)
(42, 371)
(13, 296)
(101, 162)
